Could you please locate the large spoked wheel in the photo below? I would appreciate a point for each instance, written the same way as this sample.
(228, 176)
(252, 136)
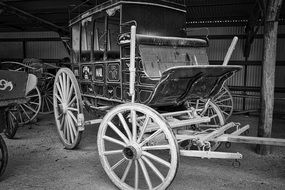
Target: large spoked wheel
(217, 120)
(12, 124)
(45, 85)
(223, 100)
(68, 105)
(3, 156)
(137, 148)
(29, 110)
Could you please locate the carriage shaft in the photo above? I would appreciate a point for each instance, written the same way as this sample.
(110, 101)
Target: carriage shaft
(251, 140)
(210, 154)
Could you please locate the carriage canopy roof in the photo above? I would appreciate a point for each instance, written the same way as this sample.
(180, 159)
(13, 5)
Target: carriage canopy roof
(114, 3)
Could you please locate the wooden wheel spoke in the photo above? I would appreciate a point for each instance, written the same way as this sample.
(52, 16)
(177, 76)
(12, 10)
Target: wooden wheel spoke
(71, 128)
(72, 109)
(67, 130)
(223, 100)
(71, 101)
(32, 96)
(136, 174)
(31, 109)
(25, 112)
(154, 168)
(126, 127)
(115, 129)
(219, 95)
(72, 124)
(157, 147)
(143, 129)
(156, 158)
(59, 91)
(134, 125)
(34, 103)
(112, 152)
(57, 96)
(126, 172)
(70, 92)
(146, 175)
(67, 88)
(151, 137)
(110, 139)
(118, 163)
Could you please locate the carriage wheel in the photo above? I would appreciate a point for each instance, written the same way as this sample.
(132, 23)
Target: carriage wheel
(3, 156)
(12, 125)
(217, 119)
(223, 100)
(46, 82)
(132, 155)
(68, 105)
(29, 110)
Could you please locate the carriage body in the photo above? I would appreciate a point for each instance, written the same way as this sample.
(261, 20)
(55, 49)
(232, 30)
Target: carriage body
(101, 55)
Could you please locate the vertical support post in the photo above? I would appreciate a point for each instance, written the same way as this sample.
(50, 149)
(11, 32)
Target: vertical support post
(132, 67)
(268, 73)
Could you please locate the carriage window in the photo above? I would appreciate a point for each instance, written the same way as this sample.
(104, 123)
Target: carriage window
(86, 39)
(75, 42)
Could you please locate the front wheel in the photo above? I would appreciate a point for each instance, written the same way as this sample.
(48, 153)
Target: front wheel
(68, 106)
(137, 148)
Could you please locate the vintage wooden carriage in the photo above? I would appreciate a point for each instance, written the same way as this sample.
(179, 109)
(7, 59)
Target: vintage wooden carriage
(133, 66)
(14, 88)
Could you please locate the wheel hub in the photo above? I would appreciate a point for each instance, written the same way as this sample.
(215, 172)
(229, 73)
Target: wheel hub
(64, 108)
(132, 152)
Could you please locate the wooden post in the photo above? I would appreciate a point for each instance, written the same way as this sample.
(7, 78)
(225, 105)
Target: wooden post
(268, 72)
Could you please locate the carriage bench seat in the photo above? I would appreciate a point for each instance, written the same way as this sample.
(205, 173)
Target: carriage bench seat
(161, 53)
(170, 41)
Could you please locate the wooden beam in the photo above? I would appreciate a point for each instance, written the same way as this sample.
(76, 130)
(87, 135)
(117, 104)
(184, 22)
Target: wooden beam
(269, 58)
(46, 23)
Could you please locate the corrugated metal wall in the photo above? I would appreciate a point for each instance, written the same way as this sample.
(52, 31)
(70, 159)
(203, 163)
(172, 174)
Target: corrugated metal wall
(41, 45)
(217, 50)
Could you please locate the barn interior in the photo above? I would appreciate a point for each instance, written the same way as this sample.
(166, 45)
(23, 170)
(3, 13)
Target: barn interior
(33, 31)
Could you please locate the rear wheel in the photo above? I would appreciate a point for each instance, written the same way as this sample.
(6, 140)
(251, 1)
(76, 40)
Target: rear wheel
(12, 125)
(45, 86)
(3, 156)
(68, 107)
(29, 110)
(216, 120)
(137, 148)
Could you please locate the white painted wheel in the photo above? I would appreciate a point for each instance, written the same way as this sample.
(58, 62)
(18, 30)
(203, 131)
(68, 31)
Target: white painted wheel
(29, 110)
(223, 100)
(212, 111)
(45, 86)
(137, 148)
(67, 103)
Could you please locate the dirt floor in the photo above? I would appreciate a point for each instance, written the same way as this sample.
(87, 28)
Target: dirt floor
(37, 160)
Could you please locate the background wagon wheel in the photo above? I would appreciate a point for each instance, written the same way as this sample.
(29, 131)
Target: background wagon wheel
(12, 125)
(137, 148)
(212, 111)
(67, 102)
(3, 156)
(29, 110)
(45, 85)
(223, 100)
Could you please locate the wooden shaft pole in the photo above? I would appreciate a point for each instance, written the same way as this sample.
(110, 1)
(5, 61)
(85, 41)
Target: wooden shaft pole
(268, 74)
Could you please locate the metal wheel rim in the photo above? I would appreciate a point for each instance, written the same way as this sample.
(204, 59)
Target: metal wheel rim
(46, 89)
(66, 123)
(137, 164)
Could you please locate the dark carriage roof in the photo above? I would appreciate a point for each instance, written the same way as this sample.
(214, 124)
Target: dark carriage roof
(113, 3)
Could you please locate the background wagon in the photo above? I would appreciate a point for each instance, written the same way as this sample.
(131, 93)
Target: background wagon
(14, 89)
